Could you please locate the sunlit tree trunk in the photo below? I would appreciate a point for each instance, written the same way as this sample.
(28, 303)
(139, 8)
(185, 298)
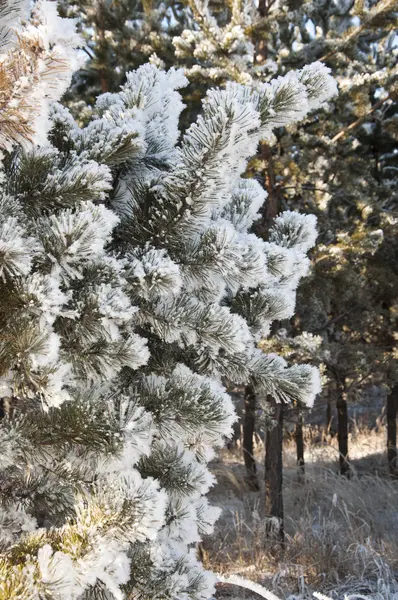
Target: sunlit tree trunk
(329, 415)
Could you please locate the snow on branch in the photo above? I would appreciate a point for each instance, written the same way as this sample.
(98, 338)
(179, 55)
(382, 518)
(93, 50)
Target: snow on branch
(234, 121)
(134, 286)
(37, 58)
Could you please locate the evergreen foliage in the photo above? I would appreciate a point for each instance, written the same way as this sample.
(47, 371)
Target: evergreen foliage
(119, 37)
(131, 288)
(340, 165)
(37, 58)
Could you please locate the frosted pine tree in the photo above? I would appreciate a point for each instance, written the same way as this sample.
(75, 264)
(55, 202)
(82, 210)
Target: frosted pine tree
(345, 171)
(131, 289)
(37, 58)
(119, 37)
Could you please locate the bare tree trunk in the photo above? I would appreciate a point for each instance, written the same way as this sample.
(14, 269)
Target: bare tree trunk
(274, 470)
(342, 432)
(261, 52)
(391, 410)
(103, 75)
(248, 432)
(300, 443)
(329, 415)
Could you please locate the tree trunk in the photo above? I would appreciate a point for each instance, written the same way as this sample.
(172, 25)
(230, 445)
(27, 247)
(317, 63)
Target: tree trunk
(6, 407)
(248, 431)
(391, 409)
(342, 433)
(300, 443)
(274, 470)
(103, 71)
(260, 54)
(329, 416)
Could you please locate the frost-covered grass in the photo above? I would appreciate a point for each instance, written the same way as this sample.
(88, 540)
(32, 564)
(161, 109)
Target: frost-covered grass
(341, 535)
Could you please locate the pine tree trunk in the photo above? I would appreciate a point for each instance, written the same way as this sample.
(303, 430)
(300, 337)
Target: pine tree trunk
(260, 54)
(391, 409)
(102, 72)
(342, 433)
(248, 432)
(328, 416)
(274, 470)
(300, 444)
(6, 407)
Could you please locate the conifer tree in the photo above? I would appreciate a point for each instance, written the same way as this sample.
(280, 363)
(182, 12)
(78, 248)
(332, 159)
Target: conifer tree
(121, 35)
(130, 289)
(214, 44)
(305, 348)
(340, 166)
(37, 59)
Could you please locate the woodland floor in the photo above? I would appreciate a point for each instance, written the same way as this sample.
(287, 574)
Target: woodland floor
(341, 535)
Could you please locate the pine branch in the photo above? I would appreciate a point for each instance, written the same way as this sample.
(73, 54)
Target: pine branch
(361, 119)
(373, 18)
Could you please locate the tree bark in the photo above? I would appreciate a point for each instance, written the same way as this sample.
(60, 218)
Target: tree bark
(328, 416)
(274, 470)
(342, 433)
(391, 410)
(300, 444)
(260, 54)
(6, 407)
(248, 432)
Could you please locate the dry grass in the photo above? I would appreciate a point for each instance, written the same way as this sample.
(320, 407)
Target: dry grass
(341, 535)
